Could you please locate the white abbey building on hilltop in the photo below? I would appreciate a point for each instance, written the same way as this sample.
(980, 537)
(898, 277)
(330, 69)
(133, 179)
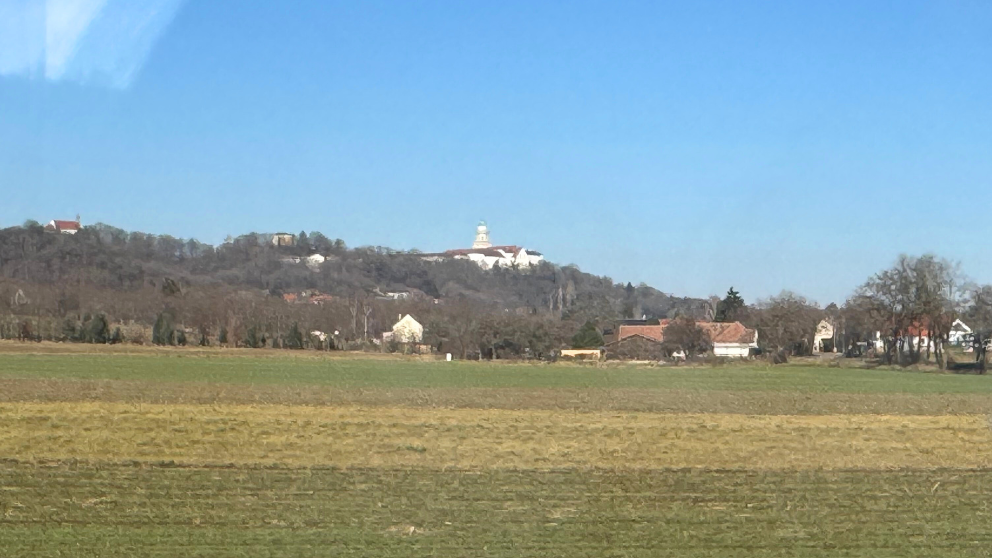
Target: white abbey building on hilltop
(488, 256)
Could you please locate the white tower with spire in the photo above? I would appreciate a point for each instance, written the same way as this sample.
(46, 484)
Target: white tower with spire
(482, 237)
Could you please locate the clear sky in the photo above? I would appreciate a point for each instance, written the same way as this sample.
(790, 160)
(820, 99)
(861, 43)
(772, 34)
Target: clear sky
(689, 145)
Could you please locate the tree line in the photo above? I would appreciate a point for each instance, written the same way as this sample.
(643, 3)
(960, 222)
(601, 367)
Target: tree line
(107, 285)
(903, 314)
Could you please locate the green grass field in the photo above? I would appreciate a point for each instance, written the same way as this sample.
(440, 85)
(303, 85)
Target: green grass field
(226, 513)
(483, 459)
(347, 373)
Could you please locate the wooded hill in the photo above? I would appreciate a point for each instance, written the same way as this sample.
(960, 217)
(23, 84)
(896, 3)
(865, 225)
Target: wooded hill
(52, 284)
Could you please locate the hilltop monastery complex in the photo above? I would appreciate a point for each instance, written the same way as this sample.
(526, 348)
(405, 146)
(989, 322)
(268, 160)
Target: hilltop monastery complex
(488, 256)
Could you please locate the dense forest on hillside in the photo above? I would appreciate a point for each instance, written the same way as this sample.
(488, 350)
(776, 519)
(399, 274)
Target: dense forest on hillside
(121, 284)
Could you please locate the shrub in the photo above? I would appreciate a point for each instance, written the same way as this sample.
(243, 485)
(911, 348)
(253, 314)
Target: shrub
(134, 333)
(588, 337)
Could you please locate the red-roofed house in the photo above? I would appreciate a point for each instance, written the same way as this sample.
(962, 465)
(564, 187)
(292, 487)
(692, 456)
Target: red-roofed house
(654, 332)
(64, 227)
(729, 339)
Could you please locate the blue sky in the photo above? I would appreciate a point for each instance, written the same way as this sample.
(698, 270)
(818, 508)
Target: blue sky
(689, 145)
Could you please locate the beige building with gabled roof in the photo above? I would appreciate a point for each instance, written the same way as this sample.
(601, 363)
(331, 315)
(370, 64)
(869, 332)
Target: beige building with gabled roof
(406, 330)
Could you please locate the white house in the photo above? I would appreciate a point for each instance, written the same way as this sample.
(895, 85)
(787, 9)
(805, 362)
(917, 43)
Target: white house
(824, 333)
(731, 340)
(64, 227)
(960, 333)
(406, 330)
(314, 261)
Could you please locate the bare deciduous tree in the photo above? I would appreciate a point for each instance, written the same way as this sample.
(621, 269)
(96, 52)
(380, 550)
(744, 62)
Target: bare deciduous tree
(918, 298)
(684, 334)
(787, 321)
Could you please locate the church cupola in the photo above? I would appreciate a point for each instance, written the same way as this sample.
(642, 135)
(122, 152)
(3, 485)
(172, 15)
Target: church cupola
(482, 237)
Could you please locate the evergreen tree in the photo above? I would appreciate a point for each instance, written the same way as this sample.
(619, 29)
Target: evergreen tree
(97, 330)
(293, 339)
(588, 337)
(164, 330)
(252, 339)
(222, 337)
(731, 308)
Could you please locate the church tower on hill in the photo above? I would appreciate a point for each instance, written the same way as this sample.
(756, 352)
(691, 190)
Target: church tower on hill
(481, 237)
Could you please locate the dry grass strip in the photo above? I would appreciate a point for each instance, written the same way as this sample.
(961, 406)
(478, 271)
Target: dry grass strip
(485, 439)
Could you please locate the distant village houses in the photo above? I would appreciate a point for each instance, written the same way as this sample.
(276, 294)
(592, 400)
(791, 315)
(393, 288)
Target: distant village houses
(309, 296)
(410, 294)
